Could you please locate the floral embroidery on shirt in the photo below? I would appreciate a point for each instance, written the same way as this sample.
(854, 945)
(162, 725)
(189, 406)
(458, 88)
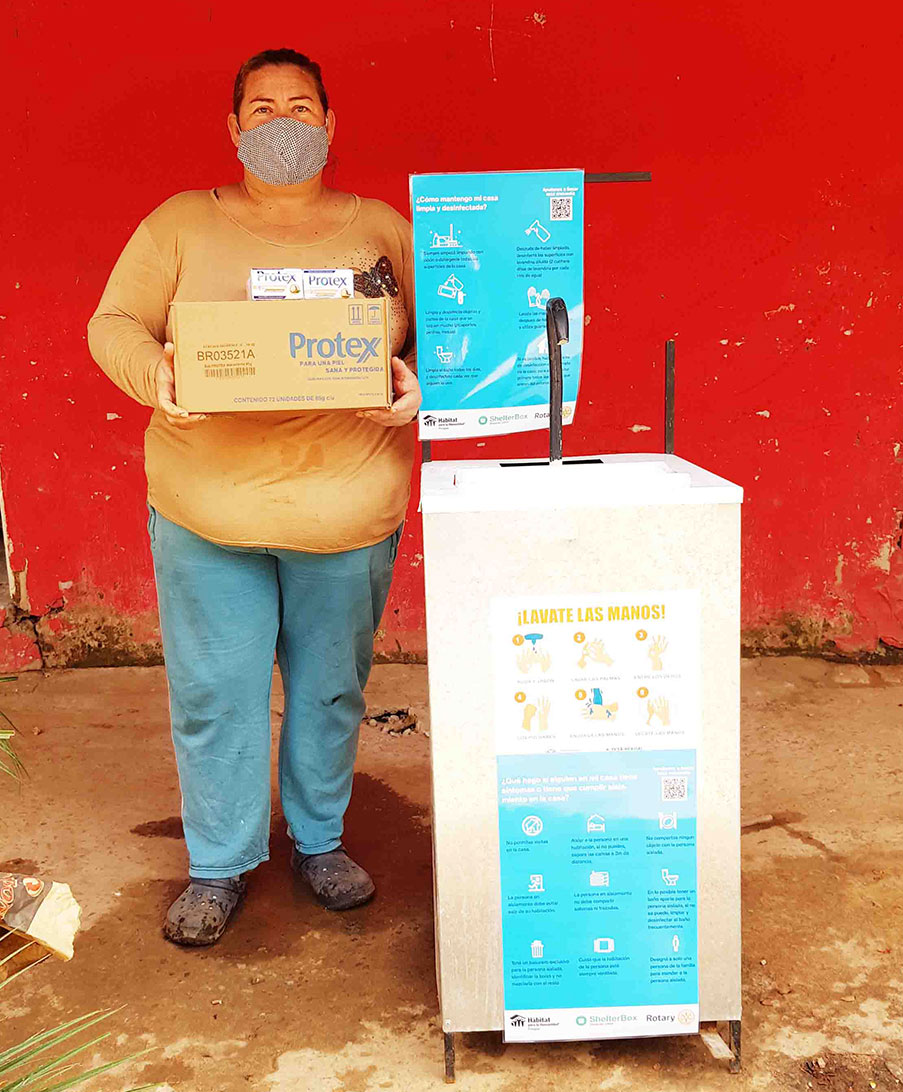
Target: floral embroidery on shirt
(379, 279)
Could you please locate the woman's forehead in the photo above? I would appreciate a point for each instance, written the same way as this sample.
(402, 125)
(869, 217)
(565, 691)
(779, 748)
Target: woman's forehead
(283, 79)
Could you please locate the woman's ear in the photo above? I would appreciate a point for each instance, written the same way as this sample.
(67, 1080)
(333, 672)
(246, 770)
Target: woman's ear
(330, 125)
(234, 129)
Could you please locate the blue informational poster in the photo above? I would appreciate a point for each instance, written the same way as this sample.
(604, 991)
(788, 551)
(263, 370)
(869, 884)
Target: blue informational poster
(596, 721)
(490, 250)
(598, 860)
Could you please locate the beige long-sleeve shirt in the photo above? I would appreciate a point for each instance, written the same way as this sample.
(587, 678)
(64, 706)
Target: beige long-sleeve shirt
(315, 481)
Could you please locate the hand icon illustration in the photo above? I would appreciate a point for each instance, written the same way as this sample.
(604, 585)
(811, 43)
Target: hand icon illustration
(601, 712)
(655, 651)
(542, 707)
(528, 658)
(595, 651)
(661, 708)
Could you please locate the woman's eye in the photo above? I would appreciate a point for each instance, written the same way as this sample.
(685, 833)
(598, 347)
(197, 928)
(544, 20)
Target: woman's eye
(302, 107)
(261, 110)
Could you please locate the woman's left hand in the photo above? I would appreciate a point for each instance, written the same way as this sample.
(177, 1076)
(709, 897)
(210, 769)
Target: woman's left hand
(407, 398)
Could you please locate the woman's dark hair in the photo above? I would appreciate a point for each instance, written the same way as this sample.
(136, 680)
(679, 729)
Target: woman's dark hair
(277, 56)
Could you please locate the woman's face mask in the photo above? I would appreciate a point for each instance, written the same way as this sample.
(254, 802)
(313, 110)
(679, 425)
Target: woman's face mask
(284, 151)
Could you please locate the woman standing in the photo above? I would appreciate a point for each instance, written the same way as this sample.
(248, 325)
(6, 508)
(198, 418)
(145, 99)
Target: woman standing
(269, 531)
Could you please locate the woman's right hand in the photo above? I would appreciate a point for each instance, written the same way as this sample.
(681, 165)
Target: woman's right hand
(165, 380)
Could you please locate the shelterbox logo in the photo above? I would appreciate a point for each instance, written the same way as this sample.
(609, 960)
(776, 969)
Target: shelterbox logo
(358, 348)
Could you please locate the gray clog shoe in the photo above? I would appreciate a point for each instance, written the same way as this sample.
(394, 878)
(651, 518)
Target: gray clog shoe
(336, 881)
(199, 915)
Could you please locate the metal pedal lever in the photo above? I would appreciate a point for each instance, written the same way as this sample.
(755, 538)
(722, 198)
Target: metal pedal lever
(558, 333)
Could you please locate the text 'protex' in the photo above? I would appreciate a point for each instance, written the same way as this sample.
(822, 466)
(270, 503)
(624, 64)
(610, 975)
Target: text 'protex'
(358, 348)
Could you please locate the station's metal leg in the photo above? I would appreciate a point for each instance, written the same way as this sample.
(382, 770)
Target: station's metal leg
(449, 1057)
(733, 1041)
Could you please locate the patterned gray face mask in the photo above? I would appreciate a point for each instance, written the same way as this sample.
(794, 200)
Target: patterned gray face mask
(284, 151)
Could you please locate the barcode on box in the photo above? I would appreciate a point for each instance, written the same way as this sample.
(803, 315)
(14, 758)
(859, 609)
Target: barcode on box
(561, 208)
(674, 788)
(237, 372)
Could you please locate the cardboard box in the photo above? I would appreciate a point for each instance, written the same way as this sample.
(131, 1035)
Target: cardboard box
(282, 355)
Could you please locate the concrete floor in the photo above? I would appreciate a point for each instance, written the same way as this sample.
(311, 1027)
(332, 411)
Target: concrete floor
(295, 998)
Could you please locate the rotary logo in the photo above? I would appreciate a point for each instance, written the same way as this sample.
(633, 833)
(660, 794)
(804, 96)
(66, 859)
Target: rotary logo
(686, 1017)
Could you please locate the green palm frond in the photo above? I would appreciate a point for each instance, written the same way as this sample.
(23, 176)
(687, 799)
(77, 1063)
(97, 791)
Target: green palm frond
(10, 763)
(35, 1079)
(22, 970)
(17, 1071)
(12, 955)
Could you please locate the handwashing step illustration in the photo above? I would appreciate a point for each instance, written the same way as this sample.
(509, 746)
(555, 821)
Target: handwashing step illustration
(596, 708)
(660, 710)
(593, 652)
(593, 673)
(655, 652)
(532, 657)
(536, 716)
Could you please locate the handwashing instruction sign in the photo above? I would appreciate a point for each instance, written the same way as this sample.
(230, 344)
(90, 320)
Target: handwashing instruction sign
(490, 250)
(597, 716)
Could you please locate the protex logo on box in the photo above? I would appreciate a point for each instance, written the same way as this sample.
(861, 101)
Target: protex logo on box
(359, 349)
(297, 284)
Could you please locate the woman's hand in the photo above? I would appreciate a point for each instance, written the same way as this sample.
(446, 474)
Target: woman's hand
(407, 398)
(165, 381)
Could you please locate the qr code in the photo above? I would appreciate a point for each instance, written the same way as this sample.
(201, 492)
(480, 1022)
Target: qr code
(674, 788)
(561, 208)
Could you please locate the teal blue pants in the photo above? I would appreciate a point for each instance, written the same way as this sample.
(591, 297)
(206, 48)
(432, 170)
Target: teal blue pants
(224, 611)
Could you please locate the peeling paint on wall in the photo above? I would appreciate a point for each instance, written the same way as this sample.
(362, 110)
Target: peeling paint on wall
(91, 637)
(19, 649)
(882, 560)
(18, 588)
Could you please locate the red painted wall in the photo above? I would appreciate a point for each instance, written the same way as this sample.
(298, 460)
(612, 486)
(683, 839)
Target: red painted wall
(767, 245)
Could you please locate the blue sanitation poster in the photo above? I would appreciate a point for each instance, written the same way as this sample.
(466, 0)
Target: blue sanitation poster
(490, 250)
(597, 707)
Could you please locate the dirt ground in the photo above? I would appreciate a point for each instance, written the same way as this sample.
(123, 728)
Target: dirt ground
(295, 998)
